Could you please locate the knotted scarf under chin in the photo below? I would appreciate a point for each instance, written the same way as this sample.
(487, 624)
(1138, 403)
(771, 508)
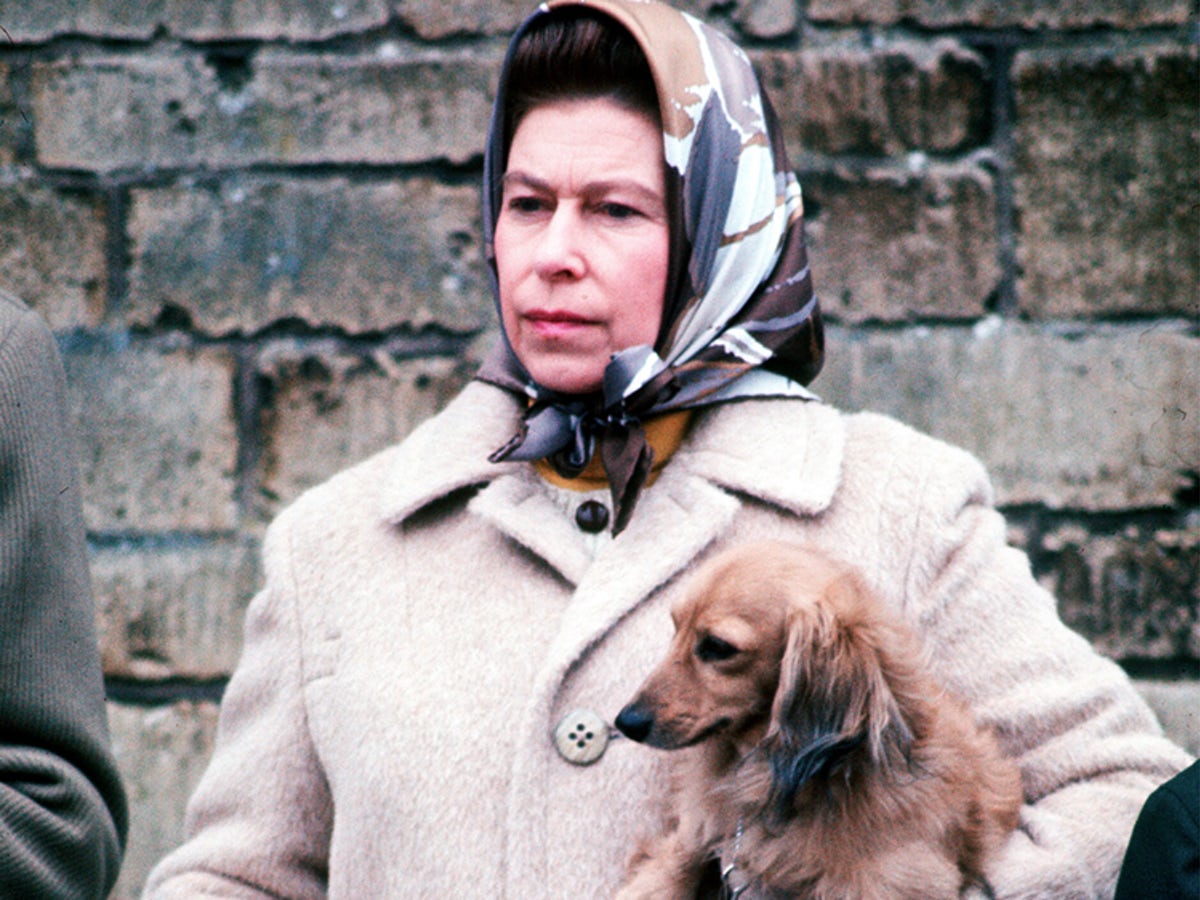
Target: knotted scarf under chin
(569, 431)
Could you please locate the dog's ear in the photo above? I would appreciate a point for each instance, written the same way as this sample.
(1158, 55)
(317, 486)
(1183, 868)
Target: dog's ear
(833, 695)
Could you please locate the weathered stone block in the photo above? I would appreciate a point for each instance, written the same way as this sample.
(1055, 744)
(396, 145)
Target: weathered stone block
(767, 18)
(452, 17)
(1028, 14)
(161, 752)
(248, 253)
(164, 111)
(1177, 705)
(896, 245)
(1108, 150)
(331, 408)
(388, 108)
(1102, 419)
(244, 19)
(902, 97)
(172, 609)
(52, 251)
(114, 113)
(1135, 595)
(13, 119)
(449, 18)
(702, 8)
(293, 20)
(157, 436)
(36, 22)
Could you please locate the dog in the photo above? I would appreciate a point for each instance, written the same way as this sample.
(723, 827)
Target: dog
(818, 758)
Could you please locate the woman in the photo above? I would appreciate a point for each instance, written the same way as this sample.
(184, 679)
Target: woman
(445, 629)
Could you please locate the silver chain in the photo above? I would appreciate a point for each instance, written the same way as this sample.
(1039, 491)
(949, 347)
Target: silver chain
(731, 892)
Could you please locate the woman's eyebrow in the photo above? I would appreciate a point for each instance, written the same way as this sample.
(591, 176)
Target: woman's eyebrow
(601, 188)
(525, 179)
(590, 189)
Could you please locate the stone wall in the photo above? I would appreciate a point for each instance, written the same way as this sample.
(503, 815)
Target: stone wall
(254, 226)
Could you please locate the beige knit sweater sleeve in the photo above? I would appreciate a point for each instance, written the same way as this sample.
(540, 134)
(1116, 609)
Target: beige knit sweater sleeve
(261, 817)
(1089, 748)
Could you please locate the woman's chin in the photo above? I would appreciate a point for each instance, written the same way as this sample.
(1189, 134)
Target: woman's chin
(576, 376)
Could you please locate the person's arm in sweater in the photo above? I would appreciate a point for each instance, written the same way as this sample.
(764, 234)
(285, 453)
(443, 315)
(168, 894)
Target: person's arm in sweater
(1089, 748)
(62, 807)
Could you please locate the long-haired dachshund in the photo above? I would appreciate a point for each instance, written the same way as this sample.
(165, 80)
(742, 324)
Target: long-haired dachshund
(825, 761)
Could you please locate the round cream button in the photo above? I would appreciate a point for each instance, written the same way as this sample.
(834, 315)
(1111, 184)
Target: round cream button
(581, 737)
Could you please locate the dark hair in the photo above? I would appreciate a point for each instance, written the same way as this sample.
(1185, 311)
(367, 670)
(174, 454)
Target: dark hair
(576, 54)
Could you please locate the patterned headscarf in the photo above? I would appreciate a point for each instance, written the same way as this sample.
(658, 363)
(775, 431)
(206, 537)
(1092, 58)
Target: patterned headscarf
(740, 318)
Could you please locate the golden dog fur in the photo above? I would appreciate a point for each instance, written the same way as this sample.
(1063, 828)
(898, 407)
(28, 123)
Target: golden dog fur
(824, 760)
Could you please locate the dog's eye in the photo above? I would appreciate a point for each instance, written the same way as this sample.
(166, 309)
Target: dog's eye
(713, 649)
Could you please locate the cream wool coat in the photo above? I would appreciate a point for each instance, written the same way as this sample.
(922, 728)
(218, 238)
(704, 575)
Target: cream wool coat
(428, 618)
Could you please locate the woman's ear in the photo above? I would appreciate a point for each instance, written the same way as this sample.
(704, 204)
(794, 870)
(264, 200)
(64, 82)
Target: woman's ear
(833, 695)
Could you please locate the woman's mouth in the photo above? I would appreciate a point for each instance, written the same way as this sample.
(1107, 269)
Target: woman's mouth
(555, 322)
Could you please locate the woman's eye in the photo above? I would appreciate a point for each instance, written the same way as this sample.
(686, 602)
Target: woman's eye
(713, 649)
(526, 204)
(617, 211)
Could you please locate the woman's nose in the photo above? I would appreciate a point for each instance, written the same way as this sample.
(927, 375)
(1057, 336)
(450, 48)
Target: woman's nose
(560, 249)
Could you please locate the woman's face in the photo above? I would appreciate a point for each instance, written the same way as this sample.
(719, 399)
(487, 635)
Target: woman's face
(581, 240)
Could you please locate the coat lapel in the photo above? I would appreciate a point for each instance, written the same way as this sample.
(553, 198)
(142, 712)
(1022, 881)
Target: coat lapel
(674, 522)
(518, 505)
(450, 451)
(783, 453)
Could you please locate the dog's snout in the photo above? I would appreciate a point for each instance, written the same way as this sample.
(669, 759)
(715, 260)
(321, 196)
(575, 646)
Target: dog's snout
(635, 721)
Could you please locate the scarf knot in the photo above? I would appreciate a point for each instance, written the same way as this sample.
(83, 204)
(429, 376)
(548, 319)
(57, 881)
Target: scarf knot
(570, 433)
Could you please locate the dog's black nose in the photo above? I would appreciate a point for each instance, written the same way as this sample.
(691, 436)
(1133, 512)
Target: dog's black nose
(635, 722)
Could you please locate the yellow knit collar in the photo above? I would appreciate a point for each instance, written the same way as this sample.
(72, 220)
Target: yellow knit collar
(664, 434)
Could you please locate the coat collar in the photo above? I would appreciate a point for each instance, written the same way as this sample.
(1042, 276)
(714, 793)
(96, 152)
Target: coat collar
(450, 451)
(785, 453)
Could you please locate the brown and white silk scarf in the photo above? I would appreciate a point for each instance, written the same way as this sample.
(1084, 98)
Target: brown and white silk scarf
(740, 318)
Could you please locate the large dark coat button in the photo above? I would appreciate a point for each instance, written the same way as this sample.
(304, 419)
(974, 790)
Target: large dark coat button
(592, 516)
